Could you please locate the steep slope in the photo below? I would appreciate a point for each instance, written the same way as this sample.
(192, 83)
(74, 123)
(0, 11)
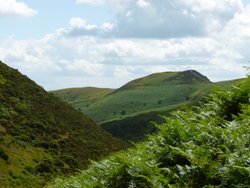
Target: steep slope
(156, 92)
(41, 136)
(204, 147)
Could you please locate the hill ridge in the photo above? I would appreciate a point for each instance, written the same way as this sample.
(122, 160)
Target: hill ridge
(162, 77)
(155, 91)
(198, 75)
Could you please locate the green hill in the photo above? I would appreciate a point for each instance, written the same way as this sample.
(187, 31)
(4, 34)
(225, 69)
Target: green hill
(82, 96)
(159, 79)
(41, 136)
(128, 112)
(136, 127)
(156, 92)
(206, 146)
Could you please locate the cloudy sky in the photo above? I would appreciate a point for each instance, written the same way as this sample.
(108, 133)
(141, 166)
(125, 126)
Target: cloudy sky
(105, 43)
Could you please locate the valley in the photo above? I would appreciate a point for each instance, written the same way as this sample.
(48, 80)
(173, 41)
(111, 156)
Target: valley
(42, 137)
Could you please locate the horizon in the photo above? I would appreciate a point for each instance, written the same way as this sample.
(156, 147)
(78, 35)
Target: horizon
(90, 86)
(107, 43)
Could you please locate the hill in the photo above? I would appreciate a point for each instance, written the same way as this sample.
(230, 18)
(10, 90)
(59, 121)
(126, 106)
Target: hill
(206, 146)
(135, 128)
(159, 79)
(156, 92)
(82, 96)
(130, 110)
(41, 136)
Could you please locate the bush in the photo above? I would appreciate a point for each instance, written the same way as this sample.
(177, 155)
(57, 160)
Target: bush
(123, 112)
(45, 167)
(3, 155)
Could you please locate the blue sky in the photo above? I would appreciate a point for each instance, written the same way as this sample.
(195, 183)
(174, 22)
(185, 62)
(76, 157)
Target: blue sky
(51, 16)
(105, 43)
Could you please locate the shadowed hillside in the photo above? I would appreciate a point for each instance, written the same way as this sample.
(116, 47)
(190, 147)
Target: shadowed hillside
(41, 136)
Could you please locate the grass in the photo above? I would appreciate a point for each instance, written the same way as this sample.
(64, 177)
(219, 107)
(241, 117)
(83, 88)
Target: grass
(82, 95)
(140, 100)
(20, 171)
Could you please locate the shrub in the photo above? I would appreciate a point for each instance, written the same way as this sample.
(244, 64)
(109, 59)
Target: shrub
(123, 112)
(3, 155)
(45, 167)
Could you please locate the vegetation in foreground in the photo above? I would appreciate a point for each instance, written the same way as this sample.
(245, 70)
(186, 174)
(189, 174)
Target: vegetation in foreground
(41, 136)
(207, 146)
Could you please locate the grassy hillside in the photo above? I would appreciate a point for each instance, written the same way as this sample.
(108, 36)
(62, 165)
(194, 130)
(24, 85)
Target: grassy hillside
(135, 128)
(229, 83)
(207, 146)
(41, 136)
(82, 96)
(139, 96)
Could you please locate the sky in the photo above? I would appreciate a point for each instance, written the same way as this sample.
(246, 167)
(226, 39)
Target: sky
(106, 43)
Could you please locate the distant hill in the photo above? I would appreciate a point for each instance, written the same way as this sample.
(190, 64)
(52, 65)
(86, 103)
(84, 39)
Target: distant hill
(82, 96)
(134, 128)
(41, 136)
(156, 92)
(128, 112)
(160, 79)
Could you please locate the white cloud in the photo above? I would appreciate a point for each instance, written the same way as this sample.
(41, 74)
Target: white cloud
(167, 19)
(119, 59)
(84, 66)
(98, 2)
(212, 39)
(77, 27)
(143, 4)
(14, 8)
(81, 23)
(123, 71)
(107, 26)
